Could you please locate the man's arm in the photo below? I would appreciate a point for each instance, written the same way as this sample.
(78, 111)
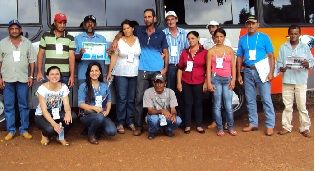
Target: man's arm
(164, 70)
(31, 74)
(1, 80)
(40, 57)
(238, 69)
(71, 68)
(271, 65)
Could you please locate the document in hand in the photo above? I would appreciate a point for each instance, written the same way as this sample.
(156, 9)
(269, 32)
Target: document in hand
(263, 69)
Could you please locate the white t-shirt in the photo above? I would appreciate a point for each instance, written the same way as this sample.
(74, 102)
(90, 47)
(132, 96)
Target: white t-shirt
(53, 98)
(127, 63)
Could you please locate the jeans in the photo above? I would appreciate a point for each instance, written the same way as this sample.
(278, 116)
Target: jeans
(144, 80)
(251, 81)
(125, 94)
(19, 90)
(93, 121)
(154, 124)
(288, 93)
(222, 93)
(192, 94)
(46, 128)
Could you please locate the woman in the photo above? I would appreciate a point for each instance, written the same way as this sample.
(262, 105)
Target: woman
(191, 80)
(124, 66)
(94, 99)
(49, 116)
(221, 80)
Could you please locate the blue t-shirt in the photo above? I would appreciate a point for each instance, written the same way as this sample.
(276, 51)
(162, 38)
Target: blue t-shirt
(151, 49)
(258, 41)
(102, 90)
(83, 64)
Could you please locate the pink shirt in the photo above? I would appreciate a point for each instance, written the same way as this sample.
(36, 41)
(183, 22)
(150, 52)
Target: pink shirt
(215, 66)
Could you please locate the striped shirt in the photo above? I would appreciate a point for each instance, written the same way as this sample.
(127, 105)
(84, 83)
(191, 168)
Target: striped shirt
(180, 41)
(49, 43)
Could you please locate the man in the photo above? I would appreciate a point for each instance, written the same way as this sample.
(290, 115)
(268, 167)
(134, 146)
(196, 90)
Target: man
(89, 35)
(294, 81)
(209, 43)
(59, 48)
(177, 41)
(161, 103)
(254, 47)
(17, 62)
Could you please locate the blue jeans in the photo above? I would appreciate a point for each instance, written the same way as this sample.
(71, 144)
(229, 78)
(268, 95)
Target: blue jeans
(154, 124)
(46, 127)
(251, 81)
(93, 121)
(222, 93)
(171, 77)
(125, 104)
(19, 90)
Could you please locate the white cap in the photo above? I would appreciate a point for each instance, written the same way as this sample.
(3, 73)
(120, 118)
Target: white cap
(212, 23)
(170, 13)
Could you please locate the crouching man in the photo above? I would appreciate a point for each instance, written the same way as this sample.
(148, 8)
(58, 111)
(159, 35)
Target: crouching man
(161, 103)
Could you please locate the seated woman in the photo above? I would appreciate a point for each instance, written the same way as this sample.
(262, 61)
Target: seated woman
(94, 98)
(49, 116)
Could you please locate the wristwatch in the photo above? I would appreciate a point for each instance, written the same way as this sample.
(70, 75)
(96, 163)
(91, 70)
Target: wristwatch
(31, 77)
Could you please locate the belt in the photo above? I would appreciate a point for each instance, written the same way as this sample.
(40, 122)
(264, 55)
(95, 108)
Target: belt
(172, 65)
(251, 67)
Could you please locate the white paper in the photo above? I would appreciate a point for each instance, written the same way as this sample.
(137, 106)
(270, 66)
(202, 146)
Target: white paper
(294, 62)
(263, 69)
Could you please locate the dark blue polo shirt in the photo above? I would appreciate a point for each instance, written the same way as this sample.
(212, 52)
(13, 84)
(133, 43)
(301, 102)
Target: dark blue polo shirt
(151, 49)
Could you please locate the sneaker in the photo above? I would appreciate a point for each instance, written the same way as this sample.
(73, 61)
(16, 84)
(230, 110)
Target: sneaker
(120, 129)
(44, 140)
(9, 136)
(27, 135)
(151, 136)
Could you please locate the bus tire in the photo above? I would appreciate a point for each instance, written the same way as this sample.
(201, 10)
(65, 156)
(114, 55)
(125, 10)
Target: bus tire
(2, 117)
(239, 108)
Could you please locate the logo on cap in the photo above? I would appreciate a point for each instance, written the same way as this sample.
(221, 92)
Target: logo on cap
(14, 22)
(89, 17)
(251, 18)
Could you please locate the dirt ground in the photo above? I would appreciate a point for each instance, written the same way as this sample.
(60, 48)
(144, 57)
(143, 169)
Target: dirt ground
(246, 151)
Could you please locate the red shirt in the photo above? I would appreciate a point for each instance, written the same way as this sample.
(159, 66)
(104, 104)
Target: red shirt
(197, 75)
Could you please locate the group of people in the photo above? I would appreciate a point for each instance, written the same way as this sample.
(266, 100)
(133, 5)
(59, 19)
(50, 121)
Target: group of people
(171, 60)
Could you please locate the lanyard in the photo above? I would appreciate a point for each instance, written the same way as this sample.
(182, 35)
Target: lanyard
(255, 43)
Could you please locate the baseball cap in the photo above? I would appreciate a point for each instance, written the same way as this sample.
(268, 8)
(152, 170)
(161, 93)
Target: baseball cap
(212, 23)
(14, 22)
(170, 13)
(159, 77)
(251, 18)
(59, 17)
(89, 17)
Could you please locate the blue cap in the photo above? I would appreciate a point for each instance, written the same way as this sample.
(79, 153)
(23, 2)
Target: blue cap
(16, 22)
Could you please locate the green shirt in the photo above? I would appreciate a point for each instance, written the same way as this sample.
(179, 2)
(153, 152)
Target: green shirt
(16, 70)
(54, 54)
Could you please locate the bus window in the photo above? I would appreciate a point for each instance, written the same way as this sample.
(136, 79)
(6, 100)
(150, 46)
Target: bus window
(20, 10)
(288, 11)
(199, 12)
(107, 13)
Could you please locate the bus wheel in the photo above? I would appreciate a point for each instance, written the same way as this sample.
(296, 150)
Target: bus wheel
(238, 102)
(2, 117)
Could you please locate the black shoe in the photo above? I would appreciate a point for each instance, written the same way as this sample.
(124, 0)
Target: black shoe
(151, 136)
(93, 140)
(169, 133)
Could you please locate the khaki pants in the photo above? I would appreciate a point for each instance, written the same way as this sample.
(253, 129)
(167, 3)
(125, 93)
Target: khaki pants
(288, 93)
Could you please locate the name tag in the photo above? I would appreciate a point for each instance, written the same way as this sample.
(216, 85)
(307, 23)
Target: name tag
(55, 113)
(16, 56)
(130, 57)
(252, 54)
(190, 65)
(59, 49)
(174, 50)
(219, 62)
(98, 101)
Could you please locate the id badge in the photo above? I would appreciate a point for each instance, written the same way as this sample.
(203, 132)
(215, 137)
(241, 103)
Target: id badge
(190, 65)
(98, 101)
(219, 62)
(59, 49)
(174, 50)
(252, 54)
(130, 57)
(55, 113)
(16, 56)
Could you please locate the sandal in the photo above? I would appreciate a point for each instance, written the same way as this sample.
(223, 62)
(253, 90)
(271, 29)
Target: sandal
(220, 133)
(44, 140)
(64, 142)
(232, 132)
(120, 129)
(306, 133)
(200, 130)
(187, 130)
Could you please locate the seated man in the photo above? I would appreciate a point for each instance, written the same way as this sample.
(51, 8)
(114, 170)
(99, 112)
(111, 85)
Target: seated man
(161, 103)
